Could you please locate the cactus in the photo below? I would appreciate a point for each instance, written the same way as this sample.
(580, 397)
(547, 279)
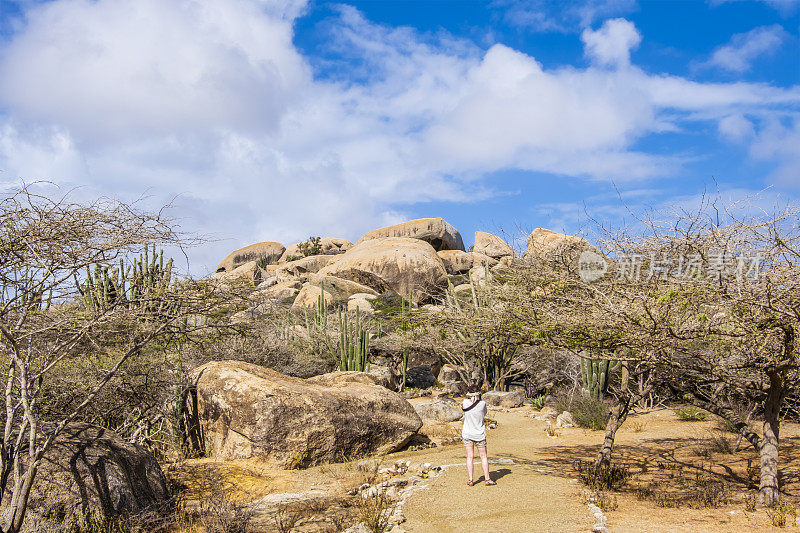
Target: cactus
(595, 373)
(404, 369)
(352, 351)
(138, 284)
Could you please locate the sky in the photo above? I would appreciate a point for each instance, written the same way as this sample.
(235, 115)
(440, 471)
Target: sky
(277, 120)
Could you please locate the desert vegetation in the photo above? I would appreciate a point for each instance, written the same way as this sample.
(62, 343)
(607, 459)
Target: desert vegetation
(103, 338)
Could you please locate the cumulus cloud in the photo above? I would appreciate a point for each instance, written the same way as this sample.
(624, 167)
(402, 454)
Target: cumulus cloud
(736, 128)
(212, 102)
(744, 48)
(612, 43)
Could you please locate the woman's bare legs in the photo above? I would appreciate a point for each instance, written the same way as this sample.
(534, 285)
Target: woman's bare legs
(484, 463)
(470, 457)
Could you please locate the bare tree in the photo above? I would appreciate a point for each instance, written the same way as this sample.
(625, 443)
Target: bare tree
(46, 318)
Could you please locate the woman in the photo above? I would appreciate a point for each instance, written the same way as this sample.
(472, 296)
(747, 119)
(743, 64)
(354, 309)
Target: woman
(474, 432)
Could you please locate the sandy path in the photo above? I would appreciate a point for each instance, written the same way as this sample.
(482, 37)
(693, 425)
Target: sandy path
(528, 496)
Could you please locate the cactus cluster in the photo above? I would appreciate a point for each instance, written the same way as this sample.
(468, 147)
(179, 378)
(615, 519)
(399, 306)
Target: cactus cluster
(595, 373)
(352, 351)
(137, 284)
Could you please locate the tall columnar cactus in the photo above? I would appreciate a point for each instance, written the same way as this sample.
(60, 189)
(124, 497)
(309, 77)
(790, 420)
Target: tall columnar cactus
(404, 369)
(352, 352)
(595, 373)
(138, 284)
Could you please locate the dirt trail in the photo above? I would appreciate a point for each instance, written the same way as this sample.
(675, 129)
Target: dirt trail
(529, 495)
(538, 492)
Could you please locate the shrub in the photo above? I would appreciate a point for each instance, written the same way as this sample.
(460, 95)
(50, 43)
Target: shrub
(375, 510)
(538, 402)
(589, 413)
(781, 514)
(691, 413)
(601, 478)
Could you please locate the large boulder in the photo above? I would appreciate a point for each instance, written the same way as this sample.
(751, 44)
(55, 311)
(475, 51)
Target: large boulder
(340, 289)
(491, 245)
(301, 268)
(435, 231)
(248, 272)
(420, 377)
(504, 399)
(308, 297)
(545, 244)
(269, 252)
(94, 469)
(439, 411)
(400, 264)
(456, 261)
(279, 291)
(328, 246)
(251, 411)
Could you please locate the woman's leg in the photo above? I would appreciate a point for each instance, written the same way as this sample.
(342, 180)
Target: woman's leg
(484, 462)
(470, 458)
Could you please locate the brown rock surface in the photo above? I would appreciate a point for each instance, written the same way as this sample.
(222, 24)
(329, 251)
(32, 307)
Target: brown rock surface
(271, 251)
(435, 231)
(401, 264)
(251, 411)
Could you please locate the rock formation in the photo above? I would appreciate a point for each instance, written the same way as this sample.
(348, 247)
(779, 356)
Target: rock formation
(435, 231)
(406, 266)
(270, 252)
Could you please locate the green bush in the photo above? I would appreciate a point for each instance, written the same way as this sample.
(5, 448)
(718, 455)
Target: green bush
(690, 413)
(587, 412)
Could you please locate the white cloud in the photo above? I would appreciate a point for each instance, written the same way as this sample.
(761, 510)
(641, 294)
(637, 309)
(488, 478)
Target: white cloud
(612, 43)
(566, 17)
(736, 128)
(778, 141)
(744, 48)
(212, 102)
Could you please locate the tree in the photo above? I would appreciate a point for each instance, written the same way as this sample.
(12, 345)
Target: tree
(46, 247)
(708, 299)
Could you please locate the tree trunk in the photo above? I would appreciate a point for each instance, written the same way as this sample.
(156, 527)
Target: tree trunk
(618, 415)
(768, 445)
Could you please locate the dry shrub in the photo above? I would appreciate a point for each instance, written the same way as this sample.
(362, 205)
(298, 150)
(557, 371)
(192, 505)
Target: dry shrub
(781, 514)
(375, 510)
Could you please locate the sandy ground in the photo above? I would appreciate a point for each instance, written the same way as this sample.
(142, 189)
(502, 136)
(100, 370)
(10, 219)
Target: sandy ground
(540, 493)
(538, 490)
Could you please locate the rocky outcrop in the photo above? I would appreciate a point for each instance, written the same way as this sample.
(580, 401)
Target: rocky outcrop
(251, 411)
(95, 469)
(491, 245)
(435, 231)
(550, 245)
(301, 268)
(280, 291)
(401, 264)
(420, 377)
(270, 252)
(328, 246)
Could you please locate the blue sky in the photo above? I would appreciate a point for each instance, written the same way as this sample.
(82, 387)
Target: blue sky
(276, 120)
